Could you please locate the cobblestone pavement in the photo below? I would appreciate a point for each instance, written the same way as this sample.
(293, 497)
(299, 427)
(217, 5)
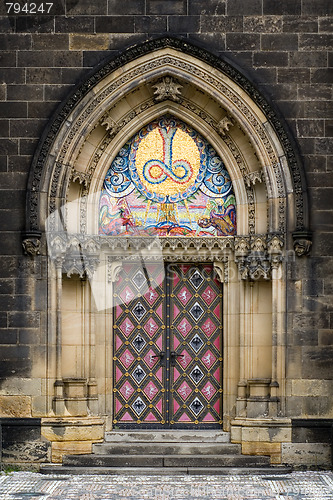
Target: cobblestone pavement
(297, 485)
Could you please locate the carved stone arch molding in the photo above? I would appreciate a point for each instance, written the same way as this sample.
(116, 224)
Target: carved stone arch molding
(171, 76)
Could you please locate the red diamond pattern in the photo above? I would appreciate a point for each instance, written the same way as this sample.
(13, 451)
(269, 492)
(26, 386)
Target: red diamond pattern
(184, 327)
(184, 295)
(208, 295)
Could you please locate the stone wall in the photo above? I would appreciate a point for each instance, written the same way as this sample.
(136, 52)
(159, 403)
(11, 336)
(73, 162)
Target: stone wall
(284, 47)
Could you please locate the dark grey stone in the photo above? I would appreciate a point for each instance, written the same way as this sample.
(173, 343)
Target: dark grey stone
(184, 24)
(317, 8)
(315, 41)
(215, 7)
(308, 59)
(25, 92)
(13, 109)
(8, 59)
(115, 24)
(322, 75)
(150, 24)
(317, 360)
(240, 41)
(43, 75)
(41, 109)
(247, 8)
(279, 41)
(24, 319)
(12, 75)
(172, 7)
(8, 336)
(116, 8)
(270, 59)
(222, 24)
(8, 146)
(310, 128)
(76, 24)
(296, 24)
(67, 59)
(284, 7)
(50, 41)
(35, 24)
(27, 128)
(15, 41)
(318, 93)
(86, 7)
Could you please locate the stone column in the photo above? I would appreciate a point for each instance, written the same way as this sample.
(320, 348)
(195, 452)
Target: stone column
(58, 401)
(277, 387)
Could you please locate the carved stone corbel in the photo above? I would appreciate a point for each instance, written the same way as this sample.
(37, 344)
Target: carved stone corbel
(110, 124)
(253, 177)
(114, 269)
(167, 88)
(31, 243)
(221, 271)
(302, 242)
(224, 125)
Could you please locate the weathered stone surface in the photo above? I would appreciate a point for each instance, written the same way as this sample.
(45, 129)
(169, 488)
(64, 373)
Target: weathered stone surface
(87, 429)
(315, 454)
(32, 452)
(15, 406)
(59, 449)
(262, 448)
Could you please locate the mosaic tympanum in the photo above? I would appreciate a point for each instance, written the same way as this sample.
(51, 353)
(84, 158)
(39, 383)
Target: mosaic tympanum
(167, 180)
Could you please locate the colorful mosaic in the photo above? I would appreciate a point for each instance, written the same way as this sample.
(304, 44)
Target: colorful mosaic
(167, 181)
(167, 354)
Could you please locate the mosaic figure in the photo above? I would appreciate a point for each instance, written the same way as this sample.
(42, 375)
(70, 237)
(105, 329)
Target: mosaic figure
(167, 181)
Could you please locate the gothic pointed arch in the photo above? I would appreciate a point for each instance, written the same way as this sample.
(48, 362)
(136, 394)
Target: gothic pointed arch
(159, 77)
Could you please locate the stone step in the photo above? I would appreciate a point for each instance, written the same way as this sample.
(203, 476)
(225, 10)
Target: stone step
(153, 461)
(166, 448)
(167, 436)
(275, 470)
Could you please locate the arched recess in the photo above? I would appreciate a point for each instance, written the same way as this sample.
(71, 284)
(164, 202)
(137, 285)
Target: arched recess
(169, 76)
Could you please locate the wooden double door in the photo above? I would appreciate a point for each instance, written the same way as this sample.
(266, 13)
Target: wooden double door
(167, 347)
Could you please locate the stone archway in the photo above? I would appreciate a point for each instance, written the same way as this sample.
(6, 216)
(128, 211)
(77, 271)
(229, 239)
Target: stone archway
(167, 77)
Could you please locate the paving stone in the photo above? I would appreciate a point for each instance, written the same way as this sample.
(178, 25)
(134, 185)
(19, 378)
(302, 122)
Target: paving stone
(191, 486)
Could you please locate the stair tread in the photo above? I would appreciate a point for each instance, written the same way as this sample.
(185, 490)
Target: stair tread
(61, 469)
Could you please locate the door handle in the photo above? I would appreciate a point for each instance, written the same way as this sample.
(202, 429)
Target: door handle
(174, 355)
(160, 355)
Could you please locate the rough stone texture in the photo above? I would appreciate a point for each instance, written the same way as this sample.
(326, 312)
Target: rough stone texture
(59, 449)
(15, 406)
(315, 454)
(262, 448)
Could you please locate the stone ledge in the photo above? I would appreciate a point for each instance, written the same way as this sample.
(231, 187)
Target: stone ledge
(263, 448)
(70, 436)
(73, 429)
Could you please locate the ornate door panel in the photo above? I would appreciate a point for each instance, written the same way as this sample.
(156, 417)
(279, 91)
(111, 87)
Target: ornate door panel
(139, 338)
(196, 361)
(167, 347)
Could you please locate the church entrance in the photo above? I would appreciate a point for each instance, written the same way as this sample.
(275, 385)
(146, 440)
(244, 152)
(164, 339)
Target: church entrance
(167, 347)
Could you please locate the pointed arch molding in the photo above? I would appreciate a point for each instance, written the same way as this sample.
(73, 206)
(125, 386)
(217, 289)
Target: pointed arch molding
(171, 76)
